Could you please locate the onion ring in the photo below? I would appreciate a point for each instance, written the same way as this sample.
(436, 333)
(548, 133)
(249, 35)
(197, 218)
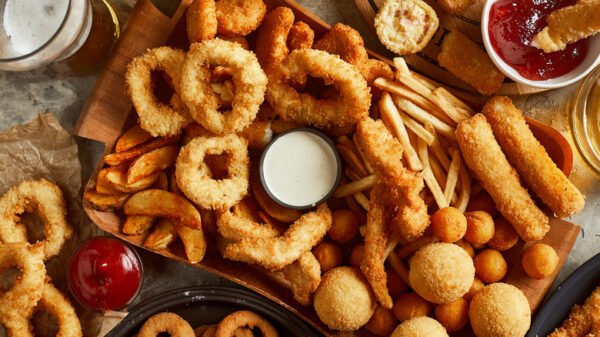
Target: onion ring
(166, 322)
(55, 303)
(18, 303)
(194, 177)
(278, 252)
(239, 17)
(304, 276)
(344, 111)
(249, 80)
(300, 36)
(271, 38)
(201, 21)
(48, 200)
(157, 118)
(239, 319)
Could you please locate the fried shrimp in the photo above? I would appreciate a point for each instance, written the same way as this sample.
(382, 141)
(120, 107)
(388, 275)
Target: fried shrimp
(304, 276)
(168, 322)
(300, 36)
(157, 118)
(201, 21)
(47, 200)
(239, 17)
(194, 177)
(244, 318)
(278, 252)
(271, 38)
(342, 111)
(485, 158)
(203, 103)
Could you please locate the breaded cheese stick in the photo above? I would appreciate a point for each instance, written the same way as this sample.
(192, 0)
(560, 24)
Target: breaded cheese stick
(485, 158)
(569, 24)
(530, 158)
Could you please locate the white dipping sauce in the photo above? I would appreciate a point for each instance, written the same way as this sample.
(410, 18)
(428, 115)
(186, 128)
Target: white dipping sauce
(300, 168)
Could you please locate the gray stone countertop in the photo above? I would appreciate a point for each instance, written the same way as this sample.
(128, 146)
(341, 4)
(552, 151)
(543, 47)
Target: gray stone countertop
(26, 94)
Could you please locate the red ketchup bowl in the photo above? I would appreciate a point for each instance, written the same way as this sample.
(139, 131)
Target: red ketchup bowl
(105, 274)
(507, 28)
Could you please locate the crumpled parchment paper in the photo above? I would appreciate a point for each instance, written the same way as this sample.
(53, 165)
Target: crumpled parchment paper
(43, 149)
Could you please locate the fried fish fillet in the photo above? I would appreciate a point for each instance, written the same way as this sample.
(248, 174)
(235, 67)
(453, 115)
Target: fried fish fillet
(484, 157)
(569, 24)
(530, 158)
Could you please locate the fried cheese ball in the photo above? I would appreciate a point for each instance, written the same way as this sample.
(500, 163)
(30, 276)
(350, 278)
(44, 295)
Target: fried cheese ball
(449, 224)
(505, 236)
(480, 227)
(329, 255)
(344, 225)
(539, 261)
(475, 287)
(453, 316)
(466, 246)
(410, 305)
(420, 326)
(344, 300)
(383, 322)
(500, 310)
(490, 266)
(357, 254)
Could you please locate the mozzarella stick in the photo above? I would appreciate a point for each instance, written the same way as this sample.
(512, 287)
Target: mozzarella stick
(484, 157)
(530, 158)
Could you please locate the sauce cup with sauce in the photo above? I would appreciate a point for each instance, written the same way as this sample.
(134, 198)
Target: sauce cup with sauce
(500, 22)
(300, 168)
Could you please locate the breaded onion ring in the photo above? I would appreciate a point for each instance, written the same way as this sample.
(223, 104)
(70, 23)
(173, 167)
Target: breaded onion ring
(271, 38)
(239, 17)
(349, 107)
(238, 319)
(278, 252)
(157, 118)
(300, 36)
(54, 302)
(201, 20)
(17, 303)
(203, 103)
(194, 177)
(35, 195)
(166, 322)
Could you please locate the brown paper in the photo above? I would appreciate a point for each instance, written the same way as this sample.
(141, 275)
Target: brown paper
(43, 149)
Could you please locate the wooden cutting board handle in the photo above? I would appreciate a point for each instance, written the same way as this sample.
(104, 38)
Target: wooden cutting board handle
(106, 111)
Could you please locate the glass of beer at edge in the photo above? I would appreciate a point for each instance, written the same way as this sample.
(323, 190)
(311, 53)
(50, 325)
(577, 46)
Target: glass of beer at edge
(74, 36)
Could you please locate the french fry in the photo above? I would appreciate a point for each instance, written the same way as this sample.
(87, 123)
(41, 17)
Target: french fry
(351, 174)
(450, 110)
(352, 159)
(453, 173)
(401, 66)
(362, 156)
(362, 200)
(152, 162)
(427, 82)
(455, 101)
(438, 172)
(423, 151)
(137, 224)
(404, 76)
(392, 243)
(465, 190)
(411, 247)
(417, 128)
(390, 114)
(399, 267)
(424, 117)
(434, 187)
(132, 138)
(356, 186)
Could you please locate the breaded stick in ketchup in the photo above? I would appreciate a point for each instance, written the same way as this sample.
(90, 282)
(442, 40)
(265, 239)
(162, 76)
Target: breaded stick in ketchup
(530, 158)
(485, 158)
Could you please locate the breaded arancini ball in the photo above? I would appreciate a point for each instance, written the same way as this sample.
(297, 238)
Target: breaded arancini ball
(500, 310)
(539, 261)
(344, 300)
(441, 272)
(449, 224)
(420, 327)
(480, 227)
(490, 266)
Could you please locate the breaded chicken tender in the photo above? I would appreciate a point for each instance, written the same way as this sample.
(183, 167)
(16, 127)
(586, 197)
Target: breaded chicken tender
(530, 158)
(484, 157)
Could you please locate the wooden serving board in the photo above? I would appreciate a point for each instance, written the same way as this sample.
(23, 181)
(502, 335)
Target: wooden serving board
(109, 111)
(425, 61)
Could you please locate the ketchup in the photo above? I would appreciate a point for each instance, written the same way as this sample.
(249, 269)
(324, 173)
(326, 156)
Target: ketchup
(104, 274)
(512, 26)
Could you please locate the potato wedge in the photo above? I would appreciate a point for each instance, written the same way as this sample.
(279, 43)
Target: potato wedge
(104, 202)
(194, 243)
(162, 183)
(137, 224)
(132, 138)
(121, 157)
(272, 208)
(104, 186)
(152, 162)
(163, 234)
(118, 178)
(159, 203)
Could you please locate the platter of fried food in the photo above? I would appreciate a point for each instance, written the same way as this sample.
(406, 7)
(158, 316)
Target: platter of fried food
(431, 207)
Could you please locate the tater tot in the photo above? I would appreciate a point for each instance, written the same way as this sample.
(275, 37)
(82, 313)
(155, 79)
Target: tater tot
(480, 227)
(329, 255)
(396, 286)
(475, 287)
(539, 261)
(482, 202)
(383, 322)
(490, 266)
(505, 236)
(410, 305)
(357, 254)
(344, 226)
(466, 246)
(449, 224)
(454, 315)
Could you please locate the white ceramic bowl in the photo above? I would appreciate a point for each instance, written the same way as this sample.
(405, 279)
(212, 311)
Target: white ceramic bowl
(592, 59)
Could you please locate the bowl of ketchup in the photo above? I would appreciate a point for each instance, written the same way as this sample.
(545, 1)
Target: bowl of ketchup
(507, 28)
(105, 274)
